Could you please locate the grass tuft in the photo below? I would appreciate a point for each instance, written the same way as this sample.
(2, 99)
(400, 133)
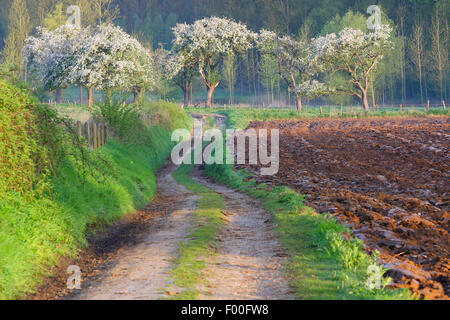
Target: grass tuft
(202, 243)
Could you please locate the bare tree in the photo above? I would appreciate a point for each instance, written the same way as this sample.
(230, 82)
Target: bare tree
(229, 69)
(402, 11)
(439, 49)
(416, 52)
(18, 29)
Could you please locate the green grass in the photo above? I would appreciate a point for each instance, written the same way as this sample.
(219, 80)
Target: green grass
(210, 123)
(202, 243)
(241, 118)
(36, 231)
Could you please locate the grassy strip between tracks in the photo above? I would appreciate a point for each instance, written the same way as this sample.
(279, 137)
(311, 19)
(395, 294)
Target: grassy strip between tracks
(202, 243)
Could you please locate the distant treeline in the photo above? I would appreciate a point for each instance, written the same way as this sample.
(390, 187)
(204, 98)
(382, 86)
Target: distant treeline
(418, 70)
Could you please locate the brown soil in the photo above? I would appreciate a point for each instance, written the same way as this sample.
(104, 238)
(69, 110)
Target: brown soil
(387, 179)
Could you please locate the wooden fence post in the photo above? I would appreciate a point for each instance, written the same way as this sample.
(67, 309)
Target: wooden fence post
(428, 105)
(80, 133)
(443, 105)
(88, 133)
(99, 129)
(99, 135)
(106, 133)
(94, 136)
(103, 135)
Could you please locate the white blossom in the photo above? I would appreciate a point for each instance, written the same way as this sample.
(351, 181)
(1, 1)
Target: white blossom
(206, 42)
(104, 57)
(354, 54)
(297, 64)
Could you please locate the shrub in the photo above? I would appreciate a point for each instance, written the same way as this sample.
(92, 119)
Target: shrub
(22, 158)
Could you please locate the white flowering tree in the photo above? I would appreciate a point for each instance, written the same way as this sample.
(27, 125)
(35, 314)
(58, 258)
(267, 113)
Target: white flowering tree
(110, 59)
(181, 69)
(103, 57)
(355, 55)
(207, 42)
(144, 76)
(296, 64)
(167, 66)
(49, 57)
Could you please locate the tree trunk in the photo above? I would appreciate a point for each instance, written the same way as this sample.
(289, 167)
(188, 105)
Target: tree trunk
(299, 104)
(374, 104)
(90, 96)
(109, 95)
(80, 94)
(210, 95)
(364, 101)
(58, 96)
(137, 93)
(187, 92)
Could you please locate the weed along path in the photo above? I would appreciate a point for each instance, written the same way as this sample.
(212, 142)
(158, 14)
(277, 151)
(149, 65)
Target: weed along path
(142, 272)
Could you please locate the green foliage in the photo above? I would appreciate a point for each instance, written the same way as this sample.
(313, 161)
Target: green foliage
(9, 72)
(351, 19)
(55, 19)
(156, 30)
(286, 195)
(124, 118)
(169, 115)
(33, 235)
(18, 29)
(54, 191)
(20, 153)
(229, 69)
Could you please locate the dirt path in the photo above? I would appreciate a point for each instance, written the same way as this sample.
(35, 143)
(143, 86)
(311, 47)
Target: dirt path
(249, 265)
(142, 272)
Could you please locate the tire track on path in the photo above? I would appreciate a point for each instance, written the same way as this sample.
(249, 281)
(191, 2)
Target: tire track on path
(143, 271)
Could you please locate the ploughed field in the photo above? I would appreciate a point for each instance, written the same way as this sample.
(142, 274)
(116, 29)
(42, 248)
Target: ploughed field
(387, 179)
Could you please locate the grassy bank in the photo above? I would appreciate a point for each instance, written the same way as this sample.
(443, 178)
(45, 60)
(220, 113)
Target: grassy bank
(202, 243)
(54, 191)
